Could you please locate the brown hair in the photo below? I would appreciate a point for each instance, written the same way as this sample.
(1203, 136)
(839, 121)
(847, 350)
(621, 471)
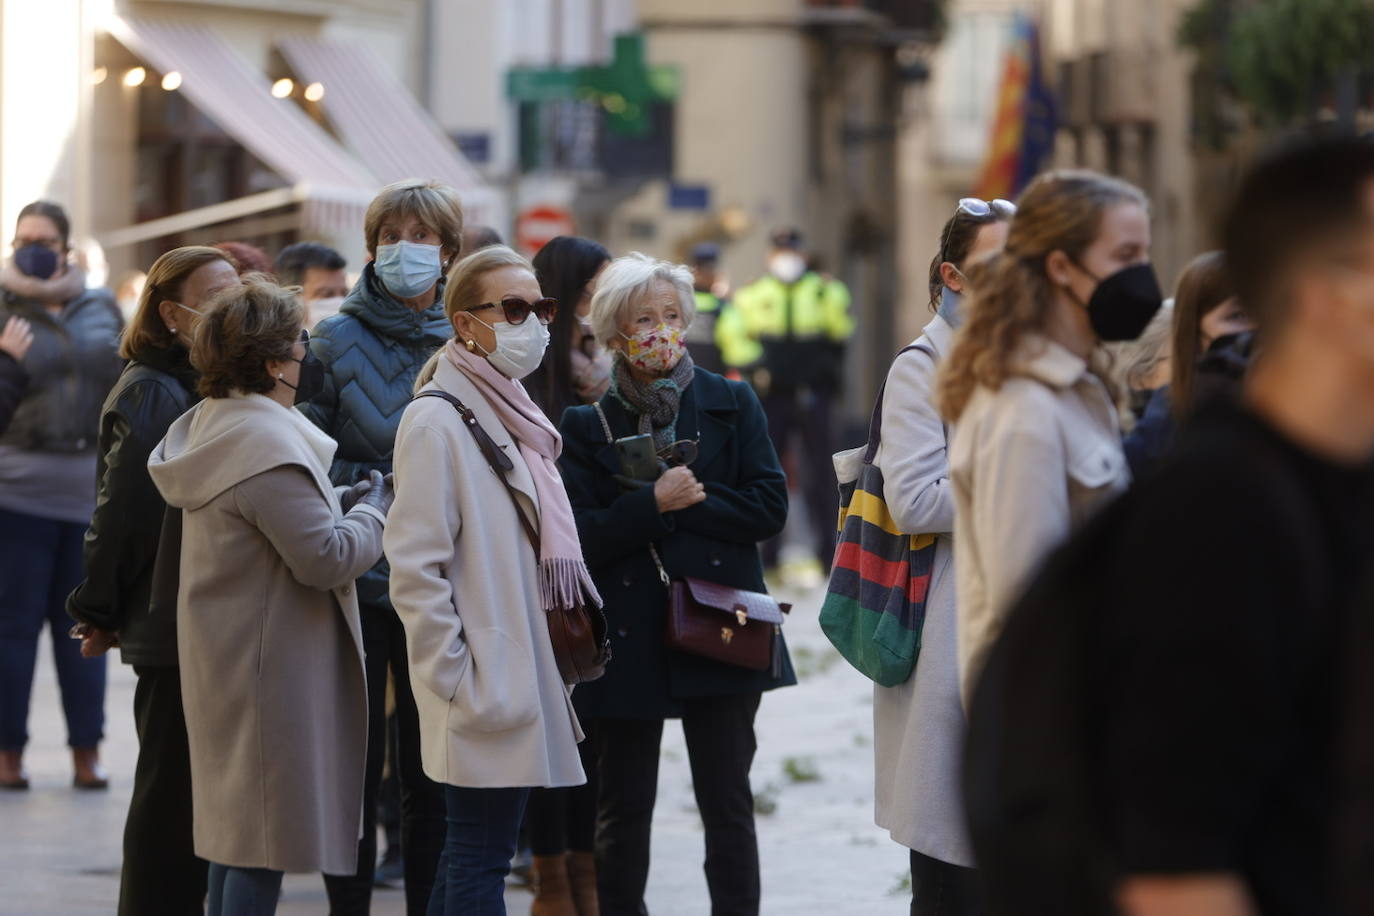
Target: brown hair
(1012, 294)
(246, 258)
(146, 331)
(431, 202)
(52, 211)
(956, 240)
(464, 291)
(1204, 284)
(240, 331)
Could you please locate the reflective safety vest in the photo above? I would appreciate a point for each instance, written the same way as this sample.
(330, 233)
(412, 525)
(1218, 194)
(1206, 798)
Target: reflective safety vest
(718, 333)
(801, 328)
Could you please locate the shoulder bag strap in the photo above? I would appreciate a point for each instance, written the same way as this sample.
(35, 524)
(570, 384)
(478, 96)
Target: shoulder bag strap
(499, 461)
(875, 424)
(605, 424)
(653, 551)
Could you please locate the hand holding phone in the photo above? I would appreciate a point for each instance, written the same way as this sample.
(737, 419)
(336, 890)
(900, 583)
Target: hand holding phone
(638, 460)
(678, 488)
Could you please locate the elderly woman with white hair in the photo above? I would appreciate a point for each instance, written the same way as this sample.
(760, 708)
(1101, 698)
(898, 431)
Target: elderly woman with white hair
(686, 503)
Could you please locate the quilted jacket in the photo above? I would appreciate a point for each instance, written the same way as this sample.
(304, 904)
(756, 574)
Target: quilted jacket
(372, 350)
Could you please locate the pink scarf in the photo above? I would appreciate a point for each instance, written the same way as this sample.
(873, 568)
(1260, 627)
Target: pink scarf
(563, 575)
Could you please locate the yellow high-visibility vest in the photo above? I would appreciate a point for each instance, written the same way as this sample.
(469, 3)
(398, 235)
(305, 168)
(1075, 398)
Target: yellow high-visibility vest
(812, 308)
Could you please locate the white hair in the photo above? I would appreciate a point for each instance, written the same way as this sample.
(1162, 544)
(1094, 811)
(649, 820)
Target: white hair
(625, 282)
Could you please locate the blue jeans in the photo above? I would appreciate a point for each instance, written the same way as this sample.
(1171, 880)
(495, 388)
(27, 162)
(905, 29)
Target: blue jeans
(483, 827)
(243, 891)
(40, 565)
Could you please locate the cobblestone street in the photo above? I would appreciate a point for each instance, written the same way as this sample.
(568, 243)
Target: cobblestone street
(813, 778)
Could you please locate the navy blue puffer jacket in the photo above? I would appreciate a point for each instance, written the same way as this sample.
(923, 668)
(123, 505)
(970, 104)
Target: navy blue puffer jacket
(372, 350)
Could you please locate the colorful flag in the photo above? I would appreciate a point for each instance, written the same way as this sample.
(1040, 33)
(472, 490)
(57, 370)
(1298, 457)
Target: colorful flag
(1023, 131)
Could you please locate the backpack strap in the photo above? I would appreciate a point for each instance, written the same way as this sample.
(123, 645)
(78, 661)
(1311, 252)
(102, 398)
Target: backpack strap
(498, 460)
(875, 424)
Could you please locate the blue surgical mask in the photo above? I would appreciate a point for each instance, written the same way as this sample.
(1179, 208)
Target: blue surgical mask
(951, 307)
(407, 269)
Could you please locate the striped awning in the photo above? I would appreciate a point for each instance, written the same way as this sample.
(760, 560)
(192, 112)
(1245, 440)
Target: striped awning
(334, 187)
(381, 122)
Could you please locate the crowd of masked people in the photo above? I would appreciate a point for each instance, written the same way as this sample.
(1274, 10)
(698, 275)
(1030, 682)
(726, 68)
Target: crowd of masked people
(1116, 638)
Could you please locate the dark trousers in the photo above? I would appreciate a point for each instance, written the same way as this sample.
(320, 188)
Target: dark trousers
(801, 418)
(483, 826)
(422, 800)
(564, 820)
(161, 872)
(941, 889)
(720, 749)
(40, 565)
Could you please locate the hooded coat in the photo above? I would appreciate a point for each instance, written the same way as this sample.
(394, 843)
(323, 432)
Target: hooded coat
(268, 635)
(372, 351)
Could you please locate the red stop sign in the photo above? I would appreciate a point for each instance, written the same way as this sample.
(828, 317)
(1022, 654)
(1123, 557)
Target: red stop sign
(536, 226)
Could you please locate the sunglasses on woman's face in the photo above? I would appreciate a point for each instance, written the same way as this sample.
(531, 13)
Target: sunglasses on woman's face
(517, 309)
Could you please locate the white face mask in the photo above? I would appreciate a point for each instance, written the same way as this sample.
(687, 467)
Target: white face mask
(519, 347)
(787, 266)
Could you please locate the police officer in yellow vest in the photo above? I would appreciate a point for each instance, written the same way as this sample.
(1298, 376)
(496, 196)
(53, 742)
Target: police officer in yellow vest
(801, 320)
(717, 339)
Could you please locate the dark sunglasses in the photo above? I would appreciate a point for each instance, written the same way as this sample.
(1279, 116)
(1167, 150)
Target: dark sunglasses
(517, 309)
(680, 454)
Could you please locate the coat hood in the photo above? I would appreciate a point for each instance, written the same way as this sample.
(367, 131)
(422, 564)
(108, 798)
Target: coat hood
(370, 303)
(222, 442)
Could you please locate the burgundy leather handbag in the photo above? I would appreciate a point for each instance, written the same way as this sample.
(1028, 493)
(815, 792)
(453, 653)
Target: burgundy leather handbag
(726, 624)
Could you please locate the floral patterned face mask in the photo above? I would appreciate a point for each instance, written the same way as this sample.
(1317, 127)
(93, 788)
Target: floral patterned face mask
(656, 350)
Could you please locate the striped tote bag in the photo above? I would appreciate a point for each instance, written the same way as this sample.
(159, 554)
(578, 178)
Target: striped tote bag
(875, 603)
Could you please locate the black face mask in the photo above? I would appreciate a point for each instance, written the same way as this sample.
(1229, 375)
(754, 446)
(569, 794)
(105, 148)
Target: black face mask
(311, 380)
(1123, 304)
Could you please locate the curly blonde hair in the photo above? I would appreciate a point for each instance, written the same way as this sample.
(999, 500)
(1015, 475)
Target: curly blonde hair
(1012, 296)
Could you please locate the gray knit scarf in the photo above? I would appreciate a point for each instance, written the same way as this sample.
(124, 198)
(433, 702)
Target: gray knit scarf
(655, 403)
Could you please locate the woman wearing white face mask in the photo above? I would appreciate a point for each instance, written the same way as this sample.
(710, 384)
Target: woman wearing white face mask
(372, 351)
(468, 584)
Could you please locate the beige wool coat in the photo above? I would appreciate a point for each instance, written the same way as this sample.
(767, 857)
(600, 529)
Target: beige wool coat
(494, 711)
(1029, 463)
(268, 635)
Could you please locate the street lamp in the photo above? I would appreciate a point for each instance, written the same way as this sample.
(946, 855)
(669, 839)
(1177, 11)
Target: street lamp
(283, 88)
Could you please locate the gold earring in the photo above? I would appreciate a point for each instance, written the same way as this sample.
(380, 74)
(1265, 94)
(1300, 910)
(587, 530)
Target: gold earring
(471, 345)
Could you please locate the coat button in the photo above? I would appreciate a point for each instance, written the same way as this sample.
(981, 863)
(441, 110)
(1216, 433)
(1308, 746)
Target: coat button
(627, 581)
(715, 560)
(622, 632)
(347, 589)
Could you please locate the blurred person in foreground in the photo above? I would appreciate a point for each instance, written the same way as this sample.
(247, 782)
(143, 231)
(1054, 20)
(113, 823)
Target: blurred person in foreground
(702, 517)
(47, 484)
(802, 322)
(15, 339)
(1171, 749)
(918, 726)
(128, 594)
(480, 558)
(319, 271)
(576, 370)
(267, 619)
(1036, 444)
(387, 327)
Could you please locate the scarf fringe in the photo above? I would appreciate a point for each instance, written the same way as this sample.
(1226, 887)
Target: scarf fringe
(564, 583)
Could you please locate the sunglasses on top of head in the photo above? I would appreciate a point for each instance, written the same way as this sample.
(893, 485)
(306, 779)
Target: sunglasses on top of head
(517, 309)
(976, 206)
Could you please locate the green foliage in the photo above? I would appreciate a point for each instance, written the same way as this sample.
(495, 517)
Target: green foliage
(801, 769)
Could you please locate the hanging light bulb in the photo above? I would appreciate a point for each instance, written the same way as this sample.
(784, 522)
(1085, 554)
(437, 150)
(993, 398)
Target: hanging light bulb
(283, 88)
(171, 81)
(135, 77)
(314, 92)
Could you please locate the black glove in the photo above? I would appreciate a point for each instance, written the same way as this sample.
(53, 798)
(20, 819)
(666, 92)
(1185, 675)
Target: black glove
(349, 498)
(381, 494)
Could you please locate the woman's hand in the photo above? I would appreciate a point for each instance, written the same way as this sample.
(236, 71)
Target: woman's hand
(16, 338)
(97, 642)
(678, 488)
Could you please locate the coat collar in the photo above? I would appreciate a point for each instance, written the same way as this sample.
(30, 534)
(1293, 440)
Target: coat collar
(940, 334)
(1048, 362)
(706, 413)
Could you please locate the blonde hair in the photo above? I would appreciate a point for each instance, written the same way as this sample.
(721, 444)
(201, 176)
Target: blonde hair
(146, 331)
(431, 202)
(1137, 360)
(1012, 294)
(463, 291)
(626, 281)
(240, 331)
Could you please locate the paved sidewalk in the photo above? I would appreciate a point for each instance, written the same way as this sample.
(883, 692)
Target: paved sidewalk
(821, 853)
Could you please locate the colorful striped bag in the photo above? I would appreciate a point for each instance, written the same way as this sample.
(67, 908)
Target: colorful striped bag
(875, 603)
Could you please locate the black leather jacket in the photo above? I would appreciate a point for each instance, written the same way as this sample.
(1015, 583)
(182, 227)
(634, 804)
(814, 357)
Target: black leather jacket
(14, 381)
(72, 363)
(124, 589)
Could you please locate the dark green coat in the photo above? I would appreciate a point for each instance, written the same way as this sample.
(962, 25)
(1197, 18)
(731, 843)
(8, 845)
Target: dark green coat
(716, 540)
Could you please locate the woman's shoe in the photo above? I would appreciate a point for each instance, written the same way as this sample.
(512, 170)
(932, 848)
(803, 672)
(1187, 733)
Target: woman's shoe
(582, 878)
(12, 775)
(89, 773)
(552, 895)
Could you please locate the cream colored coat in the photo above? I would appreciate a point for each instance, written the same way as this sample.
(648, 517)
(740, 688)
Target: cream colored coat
(493, 709)
(268, 635)
(1029, 464)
